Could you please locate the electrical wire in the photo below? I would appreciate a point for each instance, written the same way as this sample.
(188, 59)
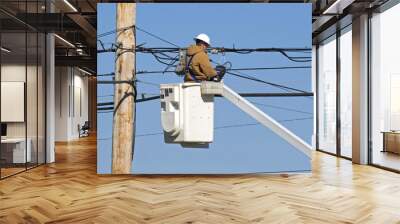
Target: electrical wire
(160, 54)
(115, 31)
(106, 74)
(157, 96)
(148, 83)
(257, 123)
(221, 127)
(155, 51)
(100, 105)
(157, 37)
(283, 51)
(137, 28)
(102, 96)
(269, 68)
(281, 108)
(245, 76)
(283, 87)
(294, 59)
(111, 109)
(232, 69)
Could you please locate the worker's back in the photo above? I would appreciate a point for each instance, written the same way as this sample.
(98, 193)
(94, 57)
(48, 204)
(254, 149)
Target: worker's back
(200, 68)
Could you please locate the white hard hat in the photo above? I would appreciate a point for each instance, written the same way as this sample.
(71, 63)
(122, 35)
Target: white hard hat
(203, 37)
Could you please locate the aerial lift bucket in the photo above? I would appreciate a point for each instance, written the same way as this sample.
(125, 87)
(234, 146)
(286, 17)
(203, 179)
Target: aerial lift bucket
(187, 114)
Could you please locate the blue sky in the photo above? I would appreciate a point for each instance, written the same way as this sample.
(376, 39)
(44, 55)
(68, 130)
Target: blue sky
(249, 149)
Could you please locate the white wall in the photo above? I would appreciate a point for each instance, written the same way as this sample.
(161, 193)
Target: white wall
(10, 73)
(61, 103)
(33, 126)
(80, 89)
(16, 72)
(70, 84)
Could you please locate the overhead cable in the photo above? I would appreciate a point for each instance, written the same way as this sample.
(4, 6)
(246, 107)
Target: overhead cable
(137, 28)
(114, 31)
(232, 69)
(281, 108)
(241, 94)
(265, 82)
(220, 127)
(157, 37)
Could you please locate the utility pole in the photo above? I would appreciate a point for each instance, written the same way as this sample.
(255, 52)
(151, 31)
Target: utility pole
(124, 93)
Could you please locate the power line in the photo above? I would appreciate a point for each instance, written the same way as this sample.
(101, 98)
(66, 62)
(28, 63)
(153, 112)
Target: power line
(283, 51)
(269, 68)
(102, 96)
(154, 51)
(157, 37)
(257, 123)
(264, 49)
(241, 94)
(283, 87)
(137, 28)
(106, 74)
(308, 94)
(232, 69)
(172, 60)
(241, 75)
(137, 101)
(145, 99)
(115, 31)
(217, 50)
(265, 82)
(130, 82)
(281, 108)
(296, 59)
(148, 83)
(148, 99)
(222, 127)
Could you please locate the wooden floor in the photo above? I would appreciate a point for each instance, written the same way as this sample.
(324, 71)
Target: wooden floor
(70, 191)
(5, 172)
(387, 159)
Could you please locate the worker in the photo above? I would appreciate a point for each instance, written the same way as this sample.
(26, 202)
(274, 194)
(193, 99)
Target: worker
(199, 67)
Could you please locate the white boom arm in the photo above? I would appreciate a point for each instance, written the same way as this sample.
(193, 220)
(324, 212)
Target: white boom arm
(214, 88)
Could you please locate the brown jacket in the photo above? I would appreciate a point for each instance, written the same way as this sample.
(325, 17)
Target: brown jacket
(200, 65)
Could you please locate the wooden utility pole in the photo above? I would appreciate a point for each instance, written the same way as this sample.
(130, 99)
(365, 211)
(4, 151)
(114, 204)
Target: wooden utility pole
(124, 100)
